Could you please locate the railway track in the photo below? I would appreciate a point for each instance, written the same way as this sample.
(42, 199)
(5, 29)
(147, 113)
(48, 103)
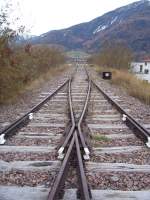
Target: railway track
(77, 143)
(119, 167)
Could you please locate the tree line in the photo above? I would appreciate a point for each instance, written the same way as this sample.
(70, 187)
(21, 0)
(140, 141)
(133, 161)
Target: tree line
(114, 55)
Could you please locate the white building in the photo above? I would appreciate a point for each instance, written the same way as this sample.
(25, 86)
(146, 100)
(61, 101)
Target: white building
(142, 69)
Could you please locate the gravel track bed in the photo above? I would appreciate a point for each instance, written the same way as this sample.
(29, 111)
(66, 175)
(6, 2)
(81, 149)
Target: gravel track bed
(32, 179)
(110, 131)
(97, 180)
(50, 120)
(117, 122)
(102, 112)
(35, 177)
(57, 100)
(101, 107)
(138, 109)
(44, 129)
(52, 111)
(10, 113)
(31, 142)
(71, 181)
(117, 142)
(119, 181)
(138, 157)
(8, 157)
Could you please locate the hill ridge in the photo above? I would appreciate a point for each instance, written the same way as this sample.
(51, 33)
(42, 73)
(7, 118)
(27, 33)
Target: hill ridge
(128, 24)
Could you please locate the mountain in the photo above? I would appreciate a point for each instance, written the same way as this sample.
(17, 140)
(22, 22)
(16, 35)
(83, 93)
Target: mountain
(129, 24)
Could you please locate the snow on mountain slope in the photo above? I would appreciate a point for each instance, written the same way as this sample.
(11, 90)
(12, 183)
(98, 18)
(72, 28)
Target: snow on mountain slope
(129, 24)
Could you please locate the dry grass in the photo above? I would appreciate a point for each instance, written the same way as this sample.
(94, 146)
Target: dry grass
(10, 97)
(98, 137)
(46, 77)
(135, 87)
(24, 70)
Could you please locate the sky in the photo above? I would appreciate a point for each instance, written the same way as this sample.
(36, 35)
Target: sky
(40, 16)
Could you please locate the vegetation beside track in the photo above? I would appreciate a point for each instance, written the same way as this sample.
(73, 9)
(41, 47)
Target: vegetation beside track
(99, 137)
(115, 57)
(21, 65)
(25, 67)
(134, 86)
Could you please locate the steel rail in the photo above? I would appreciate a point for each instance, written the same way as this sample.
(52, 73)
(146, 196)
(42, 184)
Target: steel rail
(70, 104)
(84, 190)
(138, 129)
(68, 135)
(56, 189)
(76, 125)
(75, 142)
(60, 179)
(66, 140)
(87, 73)
(11, 129)
(86, 150)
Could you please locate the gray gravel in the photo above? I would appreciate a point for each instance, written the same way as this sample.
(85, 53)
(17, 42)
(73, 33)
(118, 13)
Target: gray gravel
(100, 180)
(10, 113)
(8, 157)
(120, 181)
(137, 108)
(106, 175)
(117, 142)
(136, 157)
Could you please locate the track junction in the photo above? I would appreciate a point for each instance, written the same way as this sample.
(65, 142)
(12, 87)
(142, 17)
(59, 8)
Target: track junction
(77, 143)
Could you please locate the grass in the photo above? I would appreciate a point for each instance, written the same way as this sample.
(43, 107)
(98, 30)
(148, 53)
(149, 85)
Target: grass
(25, 70)
(134, 86)
(19, 90)
(45, 77)
(100, 138)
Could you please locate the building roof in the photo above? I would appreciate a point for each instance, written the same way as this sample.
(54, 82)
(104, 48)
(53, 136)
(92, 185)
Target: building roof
(146, 59)
(141, 60)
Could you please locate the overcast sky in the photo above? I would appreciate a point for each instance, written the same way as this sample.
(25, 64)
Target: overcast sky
(41, 16)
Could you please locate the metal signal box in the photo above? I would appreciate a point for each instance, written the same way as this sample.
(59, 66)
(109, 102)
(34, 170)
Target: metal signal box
(107, 75)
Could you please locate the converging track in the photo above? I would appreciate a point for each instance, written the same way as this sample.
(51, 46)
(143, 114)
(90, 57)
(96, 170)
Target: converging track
(75, 144)
(78, 143)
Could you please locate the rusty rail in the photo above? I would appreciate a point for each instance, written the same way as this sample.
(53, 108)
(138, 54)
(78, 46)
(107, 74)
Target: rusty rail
(74, 144)
(10, 130)
(137, 128)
